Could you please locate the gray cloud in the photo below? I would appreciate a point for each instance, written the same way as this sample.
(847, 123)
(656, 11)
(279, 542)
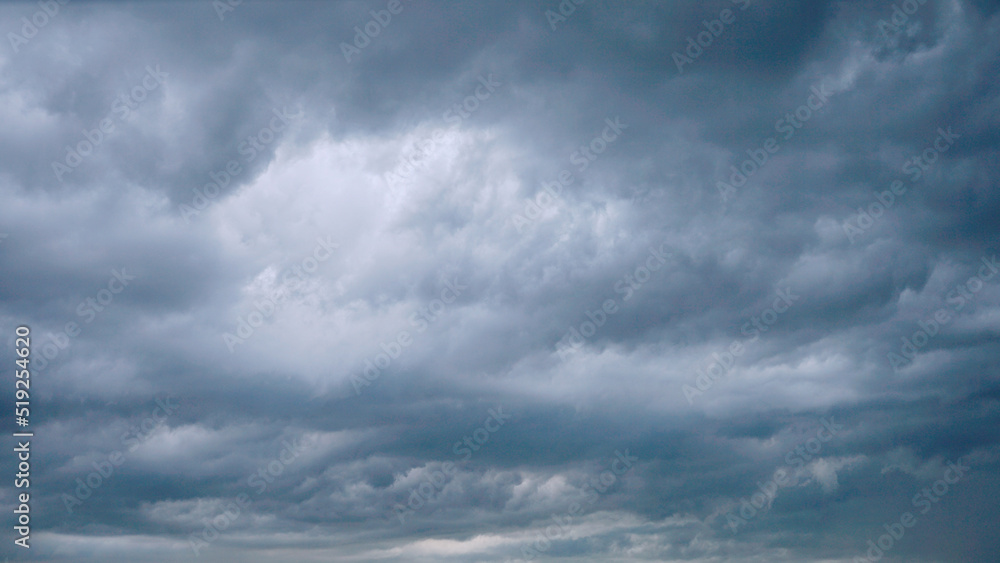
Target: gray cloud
(461, 218)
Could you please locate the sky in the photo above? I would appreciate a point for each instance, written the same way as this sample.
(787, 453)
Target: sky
(577, 281)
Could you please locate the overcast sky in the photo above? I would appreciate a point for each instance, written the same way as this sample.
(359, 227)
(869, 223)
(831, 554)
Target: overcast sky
(392, 280)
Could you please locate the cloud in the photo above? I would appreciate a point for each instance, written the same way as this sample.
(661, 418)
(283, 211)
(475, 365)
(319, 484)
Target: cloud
(275, 189)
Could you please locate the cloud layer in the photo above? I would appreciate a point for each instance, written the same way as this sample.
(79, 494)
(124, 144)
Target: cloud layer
(688, 249)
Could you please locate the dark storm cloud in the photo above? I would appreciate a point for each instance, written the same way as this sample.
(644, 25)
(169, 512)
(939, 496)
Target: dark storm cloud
(531, 267)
